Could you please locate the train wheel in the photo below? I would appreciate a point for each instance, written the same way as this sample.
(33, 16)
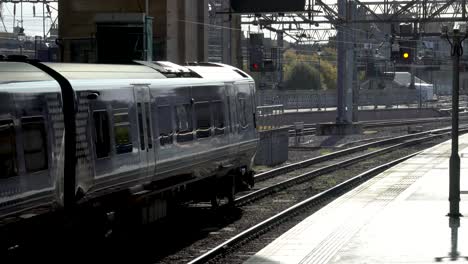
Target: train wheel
(231, 190)
(225, 189)
(216, 201)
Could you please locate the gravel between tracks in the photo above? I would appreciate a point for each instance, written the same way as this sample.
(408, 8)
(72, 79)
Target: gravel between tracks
(319, 145)
(269, 206)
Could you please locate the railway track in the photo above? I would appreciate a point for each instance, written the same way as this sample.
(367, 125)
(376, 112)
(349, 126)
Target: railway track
(265, 225)
(203, 228)
(294, 210)
(309, 162)
(309, 129)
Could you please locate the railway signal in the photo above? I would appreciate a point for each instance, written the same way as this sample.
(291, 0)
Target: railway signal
(406, 52)
(406, 55)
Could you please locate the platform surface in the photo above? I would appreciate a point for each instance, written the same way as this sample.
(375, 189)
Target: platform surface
(397, 217)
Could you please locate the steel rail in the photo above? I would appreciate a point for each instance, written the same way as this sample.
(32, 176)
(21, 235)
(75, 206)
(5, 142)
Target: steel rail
(309, 162)
(300, 207)
(309, 129)
(258, 194)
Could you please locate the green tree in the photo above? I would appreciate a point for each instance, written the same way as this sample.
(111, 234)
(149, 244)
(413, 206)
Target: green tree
(302, 76)
(323, 65)
(329, 74)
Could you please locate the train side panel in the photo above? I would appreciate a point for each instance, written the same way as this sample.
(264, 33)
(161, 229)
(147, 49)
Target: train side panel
(115, 127)
(31, 140)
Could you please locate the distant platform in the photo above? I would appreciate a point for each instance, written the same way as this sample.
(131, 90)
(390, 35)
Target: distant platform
(397, 217)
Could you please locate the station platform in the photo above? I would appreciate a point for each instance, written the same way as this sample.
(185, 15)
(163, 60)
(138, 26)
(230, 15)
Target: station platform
(399, 216)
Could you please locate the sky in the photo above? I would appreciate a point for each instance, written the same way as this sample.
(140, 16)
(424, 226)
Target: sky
(32, 25)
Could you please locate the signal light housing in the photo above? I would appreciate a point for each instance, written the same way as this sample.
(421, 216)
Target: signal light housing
(255, 67)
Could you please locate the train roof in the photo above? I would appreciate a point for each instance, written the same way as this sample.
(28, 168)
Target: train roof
(79, 71)
(12, 71)
(219, 71)
(16, 71)
(206, 70)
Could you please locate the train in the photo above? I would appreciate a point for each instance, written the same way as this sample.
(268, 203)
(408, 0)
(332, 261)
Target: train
(75, 133)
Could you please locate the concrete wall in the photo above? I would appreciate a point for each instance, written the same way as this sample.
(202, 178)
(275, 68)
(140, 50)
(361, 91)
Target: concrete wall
(179, 31)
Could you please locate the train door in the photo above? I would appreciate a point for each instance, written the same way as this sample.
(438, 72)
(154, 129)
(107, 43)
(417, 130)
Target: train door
(145, 128)
(231, 92)
(245, 110)
(254, 104)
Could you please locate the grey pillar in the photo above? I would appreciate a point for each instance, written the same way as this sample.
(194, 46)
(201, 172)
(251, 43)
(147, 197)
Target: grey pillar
(226, 35)
(280, 56)
(341, 81)
(346, 64)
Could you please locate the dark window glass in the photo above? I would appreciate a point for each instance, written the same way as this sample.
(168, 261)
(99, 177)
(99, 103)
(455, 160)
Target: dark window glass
(218, 118)
(184, 123)
(123, 141)
(140, 126)
(165, 125)
(148, 126)
(8, 165)
(34, 144)
(203, 117)
(243, 113)
(102, 135)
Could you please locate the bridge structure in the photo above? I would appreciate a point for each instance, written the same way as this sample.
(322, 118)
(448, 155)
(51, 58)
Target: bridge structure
(353, 24)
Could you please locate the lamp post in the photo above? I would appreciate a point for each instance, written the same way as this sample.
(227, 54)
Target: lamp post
(455, 38)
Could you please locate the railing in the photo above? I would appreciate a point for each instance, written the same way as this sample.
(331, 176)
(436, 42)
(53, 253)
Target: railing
(269, 117)
(319, 100)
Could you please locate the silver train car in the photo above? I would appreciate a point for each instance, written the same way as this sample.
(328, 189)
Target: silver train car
(71, 133)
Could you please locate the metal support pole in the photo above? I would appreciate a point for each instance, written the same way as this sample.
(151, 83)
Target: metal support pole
(341, 78)
(320, 74)
(454, 196)
(350, 62)
(454, 224)
(355, 91)
(147, 7)
(280, 56)
(43, 22)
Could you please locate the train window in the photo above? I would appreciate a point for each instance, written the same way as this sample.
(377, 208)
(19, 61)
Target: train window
(102, 139)
(165, 125)
(184, 123)
(8, 165)
(242, 113)
(218, 117)
(123, 141)
(34, 144)
(148, 126)
(140, 126)
(203, 117)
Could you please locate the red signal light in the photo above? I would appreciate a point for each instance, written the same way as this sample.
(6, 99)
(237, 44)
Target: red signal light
(255, 66)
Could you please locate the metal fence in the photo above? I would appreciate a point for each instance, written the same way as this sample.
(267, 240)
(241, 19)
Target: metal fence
(318, 100)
